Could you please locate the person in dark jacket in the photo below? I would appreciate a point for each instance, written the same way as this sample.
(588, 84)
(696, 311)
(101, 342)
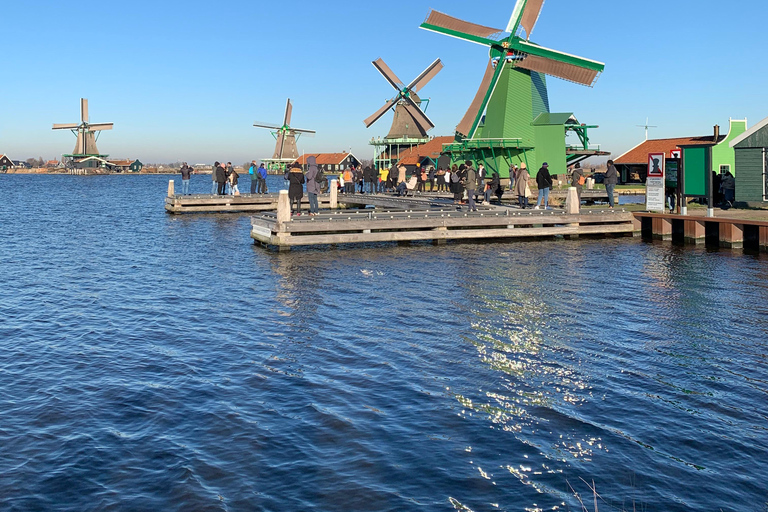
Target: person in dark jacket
(369, 174)
(544, 182)
(221, 179)
(296, 188)
(186, 173)
(470, 182)
(313, 186)
(610, 182)
(577, 176)
(253, 173)
(728, 183)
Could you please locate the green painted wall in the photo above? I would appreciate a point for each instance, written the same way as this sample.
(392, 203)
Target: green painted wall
(759, 139)
(723, 153)
(696, 171)
(750, 179)
(550, 148)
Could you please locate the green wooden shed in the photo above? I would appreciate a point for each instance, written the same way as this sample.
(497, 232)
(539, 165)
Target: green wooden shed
(751, 149)
(136, 166)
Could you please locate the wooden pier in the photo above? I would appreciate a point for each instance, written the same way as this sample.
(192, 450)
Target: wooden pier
(438, 224)
(734, 230)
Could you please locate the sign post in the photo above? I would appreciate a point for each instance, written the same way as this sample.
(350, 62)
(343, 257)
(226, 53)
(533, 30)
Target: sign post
(654, 186)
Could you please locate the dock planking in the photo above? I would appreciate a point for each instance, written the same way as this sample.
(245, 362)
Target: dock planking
(439, 225)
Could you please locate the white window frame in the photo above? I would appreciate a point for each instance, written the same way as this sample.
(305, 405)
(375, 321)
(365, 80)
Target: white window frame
(724, 168)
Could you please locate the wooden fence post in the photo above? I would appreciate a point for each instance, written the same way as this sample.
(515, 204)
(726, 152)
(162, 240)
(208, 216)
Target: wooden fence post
(334, 190)
(171, 192)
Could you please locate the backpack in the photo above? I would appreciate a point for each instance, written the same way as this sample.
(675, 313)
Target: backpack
(455, 177)
(250, 170)
(319, 177)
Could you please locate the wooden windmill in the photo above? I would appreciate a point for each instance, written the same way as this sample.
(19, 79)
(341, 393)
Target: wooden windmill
(410, 124)
(87, 134)
(286, 151)
(506, 120)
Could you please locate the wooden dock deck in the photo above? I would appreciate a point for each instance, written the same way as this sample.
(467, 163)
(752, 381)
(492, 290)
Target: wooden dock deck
(439, 225)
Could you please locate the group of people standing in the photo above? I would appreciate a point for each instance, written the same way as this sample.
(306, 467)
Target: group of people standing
(224, 180)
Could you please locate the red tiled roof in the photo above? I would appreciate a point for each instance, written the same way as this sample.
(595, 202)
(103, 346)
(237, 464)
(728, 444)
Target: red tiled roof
(639, 154)
(323, 158)
(431, 149)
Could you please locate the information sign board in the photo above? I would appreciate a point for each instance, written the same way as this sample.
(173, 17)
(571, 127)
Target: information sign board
(654, 185)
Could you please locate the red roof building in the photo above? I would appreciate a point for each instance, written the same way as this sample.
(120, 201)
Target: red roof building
(330, 162)
(635, 161)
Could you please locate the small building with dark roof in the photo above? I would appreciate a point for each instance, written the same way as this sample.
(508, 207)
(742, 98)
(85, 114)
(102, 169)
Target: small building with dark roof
(751, 158)
(328, 162)
(5, 163)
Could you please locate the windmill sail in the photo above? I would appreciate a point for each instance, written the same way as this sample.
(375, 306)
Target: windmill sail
(559, 64)
(470, 120)
(426, 76)
(450, 24)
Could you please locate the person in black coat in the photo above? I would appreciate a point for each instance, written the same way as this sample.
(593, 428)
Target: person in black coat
(296, 188)
(221, 179)
(544, 182)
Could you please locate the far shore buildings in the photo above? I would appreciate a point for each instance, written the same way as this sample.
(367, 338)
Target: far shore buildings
(633, 165)
(5, 163)
(328, 162)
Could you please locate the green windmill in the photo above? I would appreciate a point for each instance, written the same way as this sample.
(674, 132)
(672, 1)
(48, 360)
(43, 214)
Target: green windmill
(509, 120)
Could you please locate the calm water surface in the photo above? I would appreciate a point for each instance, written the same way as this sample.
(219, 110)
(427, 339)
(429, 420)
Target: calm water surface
(151, 362)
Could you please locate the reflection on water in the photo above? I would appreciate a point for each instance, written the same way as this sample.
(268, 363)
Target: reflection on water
(151, 361)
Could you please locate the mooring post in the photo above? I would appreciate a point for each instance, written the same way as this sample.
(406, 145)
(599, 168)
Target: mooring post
(171, 191)
(572, 203)
(334, 194)
(283, 207)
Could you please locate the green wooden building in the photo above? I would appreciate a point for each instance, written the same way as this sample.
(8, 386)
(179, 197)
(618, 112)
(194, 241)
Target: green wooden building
(751, 150)
(723, 157)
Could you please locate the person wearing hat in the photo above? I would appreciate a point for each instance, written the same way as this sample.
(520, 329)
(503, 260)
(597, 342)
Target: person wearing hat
(544, 182)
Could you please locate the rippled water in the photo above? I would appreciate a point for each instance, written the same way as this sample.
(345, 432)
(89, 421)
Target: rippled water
(158, 362)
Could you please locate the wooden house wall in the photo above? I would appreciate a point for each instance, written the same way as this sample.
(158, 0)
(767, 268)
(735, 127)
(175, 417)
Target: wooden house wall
(749, 176)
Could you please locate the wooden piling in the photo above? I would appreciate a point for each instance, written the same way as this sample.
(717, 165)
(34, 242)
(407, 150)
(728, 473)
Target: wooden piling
(695, 231)
(171, 191)
(334, 191)
(662, 228)
(732, 235)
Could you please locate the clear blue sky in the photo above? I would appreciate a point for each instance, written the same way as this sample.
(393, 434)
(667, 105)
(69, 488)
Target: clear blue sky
(186, 80)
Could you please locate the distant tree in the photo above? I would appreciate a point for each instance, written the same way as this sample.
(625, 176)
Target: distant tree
(31, 162)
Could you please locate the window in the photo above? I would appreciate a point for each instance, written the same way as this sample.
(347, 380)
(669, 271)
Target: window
(724, 169)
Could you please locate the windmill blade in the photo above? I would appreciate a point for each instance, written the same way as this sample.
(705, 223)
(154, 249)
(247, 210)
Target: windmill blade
(288, 112)
(448, 25)
(300, 130)
(562, 65)
(84, 110)
(379, 113)
(65, 126)
(100, 127)
(387, 73)
(266, 125)
(471, 119)
(526, 14)
(279, 145)
(425, 76)
(418, 115)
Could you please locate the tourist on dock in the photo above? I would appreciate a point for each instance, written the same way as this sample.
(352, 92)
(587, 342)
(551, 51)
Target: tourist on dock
(263, 179)
(447, 180)
(253, 173)
(221, 179)
(440, 179)
(285, 177)
(186, 174)
(610, 182)
(471, 185)
(369, 175)
(314, 180)
(421, 177)
(481, 175)
(401, 174)
(296, 188)
(383, 177)
(729, 190)
(233, 178)
(229, 172)
(512, 177)
(214, 182)
(432, 175)
(544, 182)
(578, 180)
(349, 180)
(521, 186)
(359, 179)
(342, 186)
(457, 175)
(496, 188)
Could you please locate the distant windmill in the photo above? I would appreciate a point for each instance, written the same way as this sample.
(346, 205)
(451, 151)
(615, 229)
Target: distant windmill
(87, 134)
(410, 120)
(285, 148)
(646, 126)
